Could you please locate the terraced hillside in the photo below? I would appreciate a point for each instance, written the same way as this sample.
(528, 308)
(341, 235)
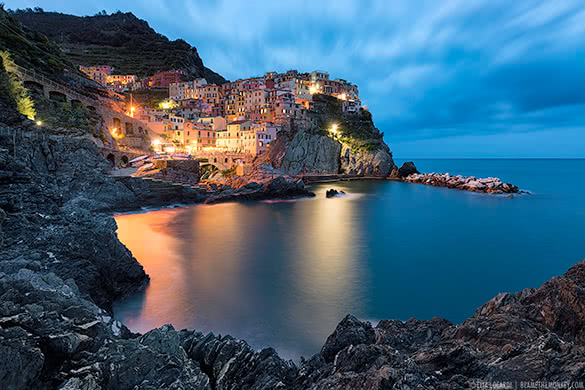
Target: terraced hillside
(120, 39)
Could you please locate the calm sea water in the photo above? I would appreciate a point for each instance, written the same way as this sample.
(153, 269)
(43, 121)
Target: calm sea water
(282, 274)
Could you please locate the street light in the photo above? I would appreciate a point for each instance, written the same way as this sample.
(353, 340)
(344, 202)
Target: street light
(39, 123)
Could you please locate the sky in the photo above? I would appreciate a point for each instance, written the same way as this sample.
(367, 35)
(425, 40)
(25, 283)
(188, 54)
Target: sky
(451, 78)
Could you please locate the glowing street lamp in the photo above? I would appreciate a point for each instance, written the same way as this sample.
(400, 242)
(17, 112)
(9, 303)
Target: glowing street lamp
(314, 89)
(333, 129)
(39, 123)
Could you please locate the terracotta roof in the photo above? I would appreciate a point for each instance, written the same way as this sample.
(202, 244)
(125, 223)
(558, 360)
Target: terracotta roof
(239, 122)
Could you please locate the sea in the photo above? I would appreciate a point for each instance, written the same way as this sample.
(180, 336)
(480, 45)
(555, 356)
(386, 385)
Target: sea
(282, 274)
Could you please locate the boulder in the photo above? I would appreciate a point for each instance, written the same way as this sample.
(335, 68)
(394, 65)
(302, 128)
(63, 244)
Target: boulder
(330, 193)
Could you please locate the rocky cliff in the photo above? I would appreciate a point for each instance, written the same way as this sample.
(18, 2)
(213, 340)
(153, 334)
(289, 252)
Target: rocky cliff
(121, 39)
(332, 142)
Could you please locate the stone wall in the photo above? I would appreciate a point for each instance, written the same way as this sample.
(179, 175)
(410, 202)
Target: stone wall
(178, 171)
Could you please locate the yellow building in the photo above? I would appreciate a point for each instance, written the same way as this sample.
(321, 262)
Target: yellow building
(122, 79)
(231, 139)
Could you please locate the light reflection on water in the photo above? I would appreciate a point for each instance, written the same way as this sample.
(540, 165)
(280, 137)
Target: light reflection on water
(282, 274)
(247, 270)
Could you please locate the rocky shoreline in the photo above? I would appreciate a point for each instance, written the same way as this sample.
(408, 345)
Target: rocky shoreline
(489, 185)
(62, 267)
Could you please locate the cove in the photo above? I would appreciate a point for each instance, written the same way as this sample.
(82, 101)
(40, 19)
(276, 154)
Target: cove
(283, 274)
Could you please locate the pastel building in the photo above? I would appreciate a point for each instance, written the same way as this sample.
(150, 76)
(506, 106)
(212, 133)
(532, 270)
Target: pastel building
(186, 89)
(196, 136)
(256, 140)
(164, 79)
(173, 123)
(217, 123)
(230, 139)
(122, 79)
(97, 73)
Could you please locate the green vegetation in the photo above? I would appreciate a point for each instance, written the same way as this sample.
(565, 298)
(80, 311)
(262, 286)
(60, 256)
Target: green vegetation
(227, 173)
(11, 87)
(150, 98)
(31, 49)
(356, 130)
(63, 115)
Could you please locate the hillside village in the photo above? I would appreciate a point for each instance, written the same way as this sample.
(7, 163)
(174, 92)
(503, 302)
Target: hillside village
(243, 116)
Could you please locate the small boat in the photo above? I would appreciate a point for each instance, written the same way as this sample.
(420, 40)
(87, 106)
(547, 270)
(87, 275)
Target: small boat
(138, 159)
(179, 156)
(146, 167)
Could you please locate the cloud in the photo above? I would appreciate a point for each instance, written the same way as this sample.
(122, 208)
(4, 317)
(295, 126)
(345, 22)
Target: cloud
(425, 68)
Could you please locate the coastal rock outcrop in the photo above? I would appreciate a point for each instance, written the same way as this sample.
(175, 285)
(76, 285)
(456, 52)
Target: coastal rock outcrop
(331, 142)
(332, 192)
(407, 169)
(311, 154)
(281, 187)
(490, 185)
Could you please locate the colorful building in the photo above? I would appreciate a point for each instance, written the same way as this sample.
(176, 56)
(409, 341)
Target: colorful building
(164, 79)
(196, 136)
(230, 139)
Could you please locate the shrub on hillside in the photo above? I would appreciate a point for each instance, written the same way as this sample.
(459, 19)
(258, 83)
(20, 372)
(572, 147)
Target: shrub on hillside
(11, 87)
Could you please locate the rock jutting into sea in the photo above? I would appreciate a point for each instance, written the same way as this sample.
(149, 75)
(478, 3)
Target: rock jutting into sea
(489, 185)
(332, 192)
(281, 187)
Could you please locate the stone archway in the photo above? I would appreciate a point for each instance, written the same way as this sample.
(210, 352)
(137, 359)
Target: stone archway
(33, 85)
(124, 160)
(112, 159)
(57, 96)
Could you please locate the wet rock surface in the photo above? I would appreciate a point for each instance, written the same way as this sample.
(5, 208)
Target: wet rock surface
(62, 266)
(332, 192)
(281, 187)
(408, 168)
(490, 185)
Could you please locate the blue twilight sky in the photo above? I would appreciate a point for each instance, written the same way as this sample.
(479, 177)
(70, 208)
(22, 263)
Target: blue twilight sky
(460, 78)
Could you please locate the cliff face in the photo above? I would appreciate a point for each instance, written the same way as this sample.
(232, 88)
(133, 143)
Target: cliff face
(355, 148)
(121, 40)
